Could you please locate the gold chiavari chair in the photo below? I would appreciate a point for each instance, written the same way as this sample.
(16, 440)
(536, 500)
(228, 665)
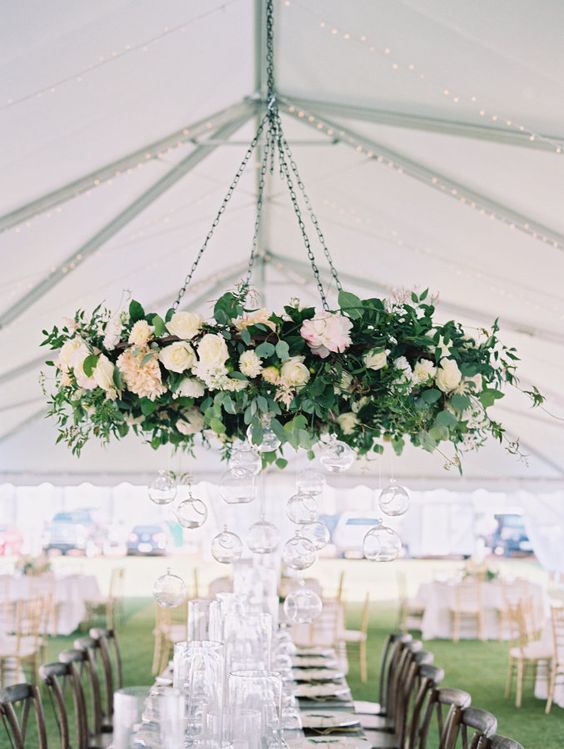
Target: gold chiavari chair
(356, 639)
(467, 608)
(167, 633)
(25, 646)
(523, 653)
(513, 593)
(410, 611)
(557, 663)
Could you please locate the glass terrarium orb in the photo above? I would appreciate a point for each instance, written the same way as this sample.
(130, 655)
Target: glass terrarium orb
(268, 442)
(302, 606)
(336, 456)
(303, 508)
(394, 499)
(226, 547)
(298, 553)
(191, 512)
(263, 537)
(163, 489)
(169, 590)
(244, 457)
(318, 533)
(237, 486)
(310, 481)
(381, 544)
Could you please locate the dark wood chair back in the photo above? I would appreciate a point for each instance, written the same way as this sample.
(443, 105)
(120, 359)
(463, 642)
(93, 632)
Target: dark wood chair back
(429, 677)
(471, 729)
(400, 661)
(110, 658)
(408, 682)
(394, 641)
(16, 704)
(500, 742)
(58, 679)
(442, 714)
(88, 677)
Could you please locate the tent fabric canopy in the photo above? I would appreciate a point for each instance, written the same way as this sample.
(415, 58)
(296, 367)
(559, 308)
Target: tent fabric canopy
(428, 135)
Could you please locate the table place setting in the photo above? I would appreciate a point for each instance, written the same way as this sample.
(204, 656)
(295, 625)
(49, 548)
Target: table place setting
(328, 720)
(317, 674)
(314, 661)
(332, 742)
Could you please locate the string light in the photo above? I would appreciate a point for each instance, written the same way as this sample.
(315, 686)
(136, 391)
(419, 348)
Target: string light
(413, 68)
(144, 46)
(482, 206)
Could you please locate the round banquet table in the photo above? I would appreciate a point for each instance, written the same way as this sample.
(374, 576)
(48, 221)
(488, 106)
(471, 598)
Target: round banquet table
(438, 598)
(69, 595)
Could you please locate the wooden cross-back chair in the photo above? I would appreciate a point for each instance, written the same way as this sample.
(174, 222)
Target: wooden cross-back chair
(100, 679)
(470, 729)
(90, 685)
(429, 678)
(16, 704)
(58, 679)
(442, 713)
(110, 661)
(500, 742)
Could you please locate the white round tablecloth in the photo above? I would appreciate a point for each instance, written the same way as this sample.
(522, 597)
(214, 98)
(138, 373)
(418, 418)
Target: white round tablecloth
(69, 595)
(439, 597)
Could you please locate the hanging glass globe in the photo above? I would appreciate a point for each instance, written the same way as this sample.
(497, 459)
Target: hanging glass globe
(302, 508)
(169, 590)
(394, 499)
(269, 442)
(381, 544)
(263, 537)
(237, 486)
(191, 512)
(226, 547)
(245, 457)
(163, 489)
(302, 606)
(298, 553)
(310, 481)
(336, 456)
(318, 533)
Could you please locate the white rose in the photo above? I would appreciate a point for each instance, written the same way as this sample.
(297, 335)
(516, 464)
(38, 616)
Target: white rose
(190, 387)
(424, 371)
(112, 334)
(347, 422)
(294, 372)
(140, 333)
(376, 359)
(104, 376)
(448, 376)
(250, 364)
(405, 367)
(185, 325)
(191, 422)
(177, 357)
(213, 351)
(72, 352)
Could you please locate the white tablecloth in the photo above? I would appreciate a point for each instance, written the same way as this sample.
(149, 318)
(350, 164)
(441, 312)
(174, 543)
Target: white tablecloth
(438, 597)
(69, 595)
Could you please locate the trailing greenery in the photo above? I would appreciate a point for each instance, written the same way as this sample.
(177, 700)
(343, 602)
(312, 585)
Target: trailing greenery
(375, 371)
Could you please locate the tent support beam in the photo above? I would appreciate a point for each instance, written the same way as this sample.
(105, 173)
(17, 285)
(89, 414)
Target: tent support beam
(429, 177)
(429, 124)
(122, 219)
(455, 309)
(109, 171)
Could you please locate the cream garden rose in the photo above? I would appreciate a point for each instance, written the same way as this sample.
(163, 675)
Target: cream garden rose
(348, 422)
(250, 364)
(271, 375)
(178, 357)
(376, 359)
(191, 422)
(212, 351)
(424, 371)
(448, 376)
(185, 325)
(190, 387)
(141, 333)
(294, 372)
(104, 376)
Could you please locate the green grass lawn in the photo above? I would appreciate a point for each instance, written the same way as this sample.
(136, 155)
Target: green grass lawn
(478, 667)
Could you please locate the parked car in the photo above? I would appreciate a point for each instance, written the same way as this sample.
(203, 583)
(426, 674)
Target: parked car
(75, 531)
(151, 540)
(510, 538)
(350, 531)
(10, 541)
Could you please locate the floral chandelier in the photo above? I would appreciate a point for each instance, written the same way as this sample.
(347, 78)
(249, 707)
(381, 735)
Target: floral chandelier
(349, 380)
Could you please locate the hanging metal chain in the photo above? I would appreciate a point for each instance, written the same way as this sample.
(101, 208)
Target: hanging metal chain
(241, 168)
(270, 85)
(264, 165)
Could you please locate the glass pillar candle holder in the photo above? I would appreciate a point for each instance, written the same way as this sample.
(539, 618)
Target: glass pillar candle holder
(257, 695)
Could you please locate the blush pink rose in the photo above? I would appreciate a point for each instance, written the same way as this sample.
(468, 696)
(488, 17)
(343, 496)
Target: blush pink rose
(327, 332)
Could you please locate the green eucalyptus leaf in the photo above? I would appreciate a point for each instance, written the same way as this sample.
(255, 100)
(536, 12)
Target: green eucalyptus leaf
(136, 311)
(431, 396)
(282, 350)
(265, 349)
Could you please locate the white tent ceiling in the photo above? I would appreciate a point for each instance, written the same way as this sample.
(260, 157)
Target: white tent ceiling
(429, 136)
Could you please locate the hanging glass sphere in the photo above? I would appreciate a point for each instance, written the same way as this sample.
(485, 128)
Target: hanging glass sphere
(244, 457)
(381, 544)
(302, 508)
(237, 486)
(269, 441)
(191, 512)
(298, 553)
(263, 537)
(226, 547)
(169, 590)
(318, 533)
(163, 489)
(310, 481)
(302, 606)
(394, 499)
(336, 456)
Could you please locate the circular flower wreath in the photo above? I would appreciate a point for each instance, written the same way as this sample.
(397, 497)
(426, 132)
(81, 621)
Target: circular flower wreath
(371, 372)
